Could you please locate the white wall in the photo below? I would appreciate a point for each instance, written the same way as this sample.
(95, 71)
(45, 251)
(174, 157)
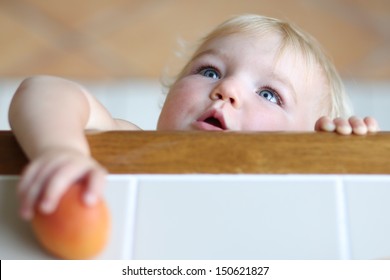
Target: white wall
(140, 100)
(371, 99)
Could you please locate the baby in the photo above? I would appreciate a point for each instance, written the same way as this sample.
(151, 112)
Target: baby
(251, 73)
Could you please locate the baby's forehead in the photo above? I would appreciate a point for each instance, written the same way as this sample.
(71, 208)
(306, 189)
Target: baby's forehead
(271, 42)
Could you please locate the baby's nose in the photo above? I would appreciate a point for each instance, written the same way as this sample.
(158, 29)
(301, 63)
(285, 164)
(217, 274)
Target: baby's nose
(228, 90)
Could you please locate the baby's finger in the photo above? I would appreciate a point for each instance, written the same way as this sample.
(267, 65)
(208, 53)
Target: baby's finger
(372, 124)
(32, 186)
(95, 185)
(325, 124)
(358, 125)
(27, 203)
(342, 126)
(58, 184)
(28, 175)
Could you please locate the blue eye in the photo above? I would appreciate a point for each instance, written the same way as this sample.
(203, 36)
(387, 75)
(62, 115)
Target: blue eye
(209, 72)
(270, 95)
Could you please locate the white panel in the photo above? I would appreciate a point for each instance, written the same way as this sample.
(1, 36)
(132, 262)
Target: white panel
(16, 237)
(17, 240)
(237, 217)
(120, 194)
(369, 211)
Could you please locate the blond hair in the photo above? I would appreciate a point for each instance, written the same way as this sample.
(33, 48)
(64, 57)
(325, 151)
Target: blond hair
(336, 100)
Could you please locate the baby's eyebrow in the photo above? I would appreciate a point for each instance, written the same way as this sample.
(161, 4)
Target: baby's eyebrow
(211, 52)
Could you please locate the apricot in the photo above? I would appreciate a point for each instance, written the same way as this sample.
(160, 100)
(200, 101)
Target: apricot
(74, 230)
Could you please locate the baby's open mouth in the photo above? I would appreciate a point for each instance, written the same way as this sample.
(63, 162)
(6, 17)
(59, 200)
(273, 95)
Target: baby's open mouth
(211, 120)
(214, 122)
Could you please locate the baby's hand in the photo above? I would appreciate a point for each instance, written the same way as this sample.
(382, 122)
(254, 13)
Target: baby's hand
(48, 177)
(345, 127)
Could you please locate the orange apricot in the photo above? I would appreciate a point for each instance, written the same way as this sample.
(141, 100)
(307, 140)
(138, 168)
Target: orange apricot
(74, 230)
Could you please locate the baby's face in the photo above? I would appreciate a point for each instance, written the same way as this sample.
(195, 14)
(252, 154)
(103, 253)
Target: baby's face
(239, 82)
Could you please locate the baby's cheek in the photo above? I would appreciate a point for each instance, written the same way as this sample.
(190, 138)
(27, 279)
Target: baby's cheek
(163, 121)
(169, 119)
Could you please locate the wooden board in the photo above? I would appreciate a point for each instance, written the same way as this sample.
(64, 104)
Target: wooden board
(156, 152)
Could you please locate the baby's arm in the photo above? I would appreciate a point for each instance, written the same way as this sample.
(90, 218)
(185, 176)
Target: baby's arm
(49, 116)
(353, 125)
